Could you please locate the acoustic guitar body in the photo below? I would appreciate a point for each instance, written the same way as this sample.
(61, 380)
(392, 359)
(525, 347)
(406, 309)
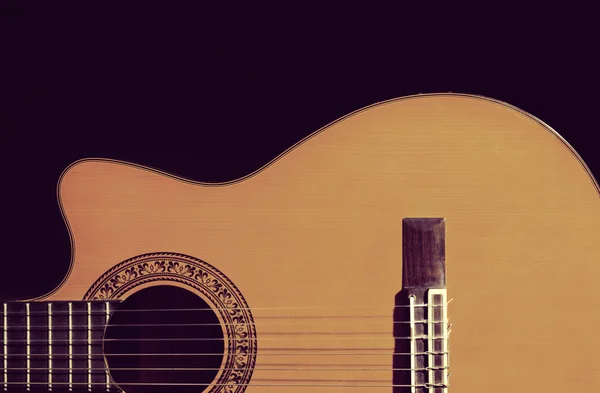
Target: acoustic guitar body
(300, 263)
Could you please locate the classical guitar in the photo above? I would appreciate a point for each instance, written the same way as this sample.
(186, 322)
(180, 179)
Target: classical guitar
(331, 269)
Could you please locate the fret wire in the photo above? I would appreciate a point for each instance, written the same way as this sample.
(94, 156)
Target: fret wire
(49, 346)
(5, 346)
(107, 312)
(70, 346)
(89, 348)
(28, 345)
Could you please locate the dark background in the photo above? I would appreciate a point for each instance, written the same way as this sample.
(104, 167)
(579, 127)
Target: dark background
(215, 101)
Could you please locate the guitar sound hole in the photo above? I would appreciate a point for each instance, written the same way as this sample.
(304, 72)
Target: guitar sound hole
(164, 339)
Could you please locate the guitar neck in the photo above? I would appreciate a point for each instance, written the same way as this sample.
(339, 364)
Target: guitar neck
(55, 346)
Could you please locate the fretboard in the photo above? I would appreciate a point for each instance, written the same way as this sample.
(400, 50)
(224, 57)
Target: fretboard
(54, 346)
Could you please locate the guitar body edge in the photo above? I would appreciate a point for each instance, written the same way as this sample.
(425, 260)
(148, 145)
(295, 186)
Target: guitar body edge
(316, 236)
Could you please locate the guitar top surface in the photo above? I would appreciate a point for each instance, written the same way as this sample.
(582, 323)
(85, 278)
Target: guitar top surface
(312, 244)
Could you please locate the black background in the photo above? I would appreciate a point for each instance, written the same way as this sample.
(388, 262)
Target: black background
(183, 92)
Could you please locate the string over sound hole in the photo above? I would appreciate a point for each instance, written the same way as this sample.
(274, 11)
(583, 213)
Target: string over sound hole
(164, 339)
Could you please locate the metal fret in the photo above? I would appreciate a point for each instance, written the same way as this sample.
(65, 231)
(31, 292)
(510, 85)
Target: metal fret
(17, 370)
(89, 337)
(107, 310)
(5, 347)
(50, 346)
(54, 346)
(70, 346)
(28, 348)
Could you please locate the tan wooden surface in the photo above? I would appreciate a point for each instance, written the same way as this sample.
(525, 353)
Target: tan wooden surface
(320, 228)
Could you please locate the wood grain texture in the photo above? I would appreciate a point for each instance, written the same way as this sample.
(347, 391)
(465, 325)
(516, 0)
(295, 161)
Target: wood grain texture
(313, 241)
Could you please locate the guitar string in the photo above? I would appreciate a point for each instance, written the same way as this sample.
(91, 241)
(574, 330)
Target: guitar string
(57, 371)
(331, 317)
(299, 368)
(311, 383)
(272, 317)
(80, 312)
(282, 367)
(306, 353)
(293, 336)
(162, 354)
(85, 341)
(270, 336)
(102, 327)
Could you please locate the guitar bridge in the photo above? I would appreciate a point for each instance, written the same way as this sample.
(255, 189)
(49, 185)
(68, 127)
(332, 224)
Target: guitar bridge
(421, 329)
